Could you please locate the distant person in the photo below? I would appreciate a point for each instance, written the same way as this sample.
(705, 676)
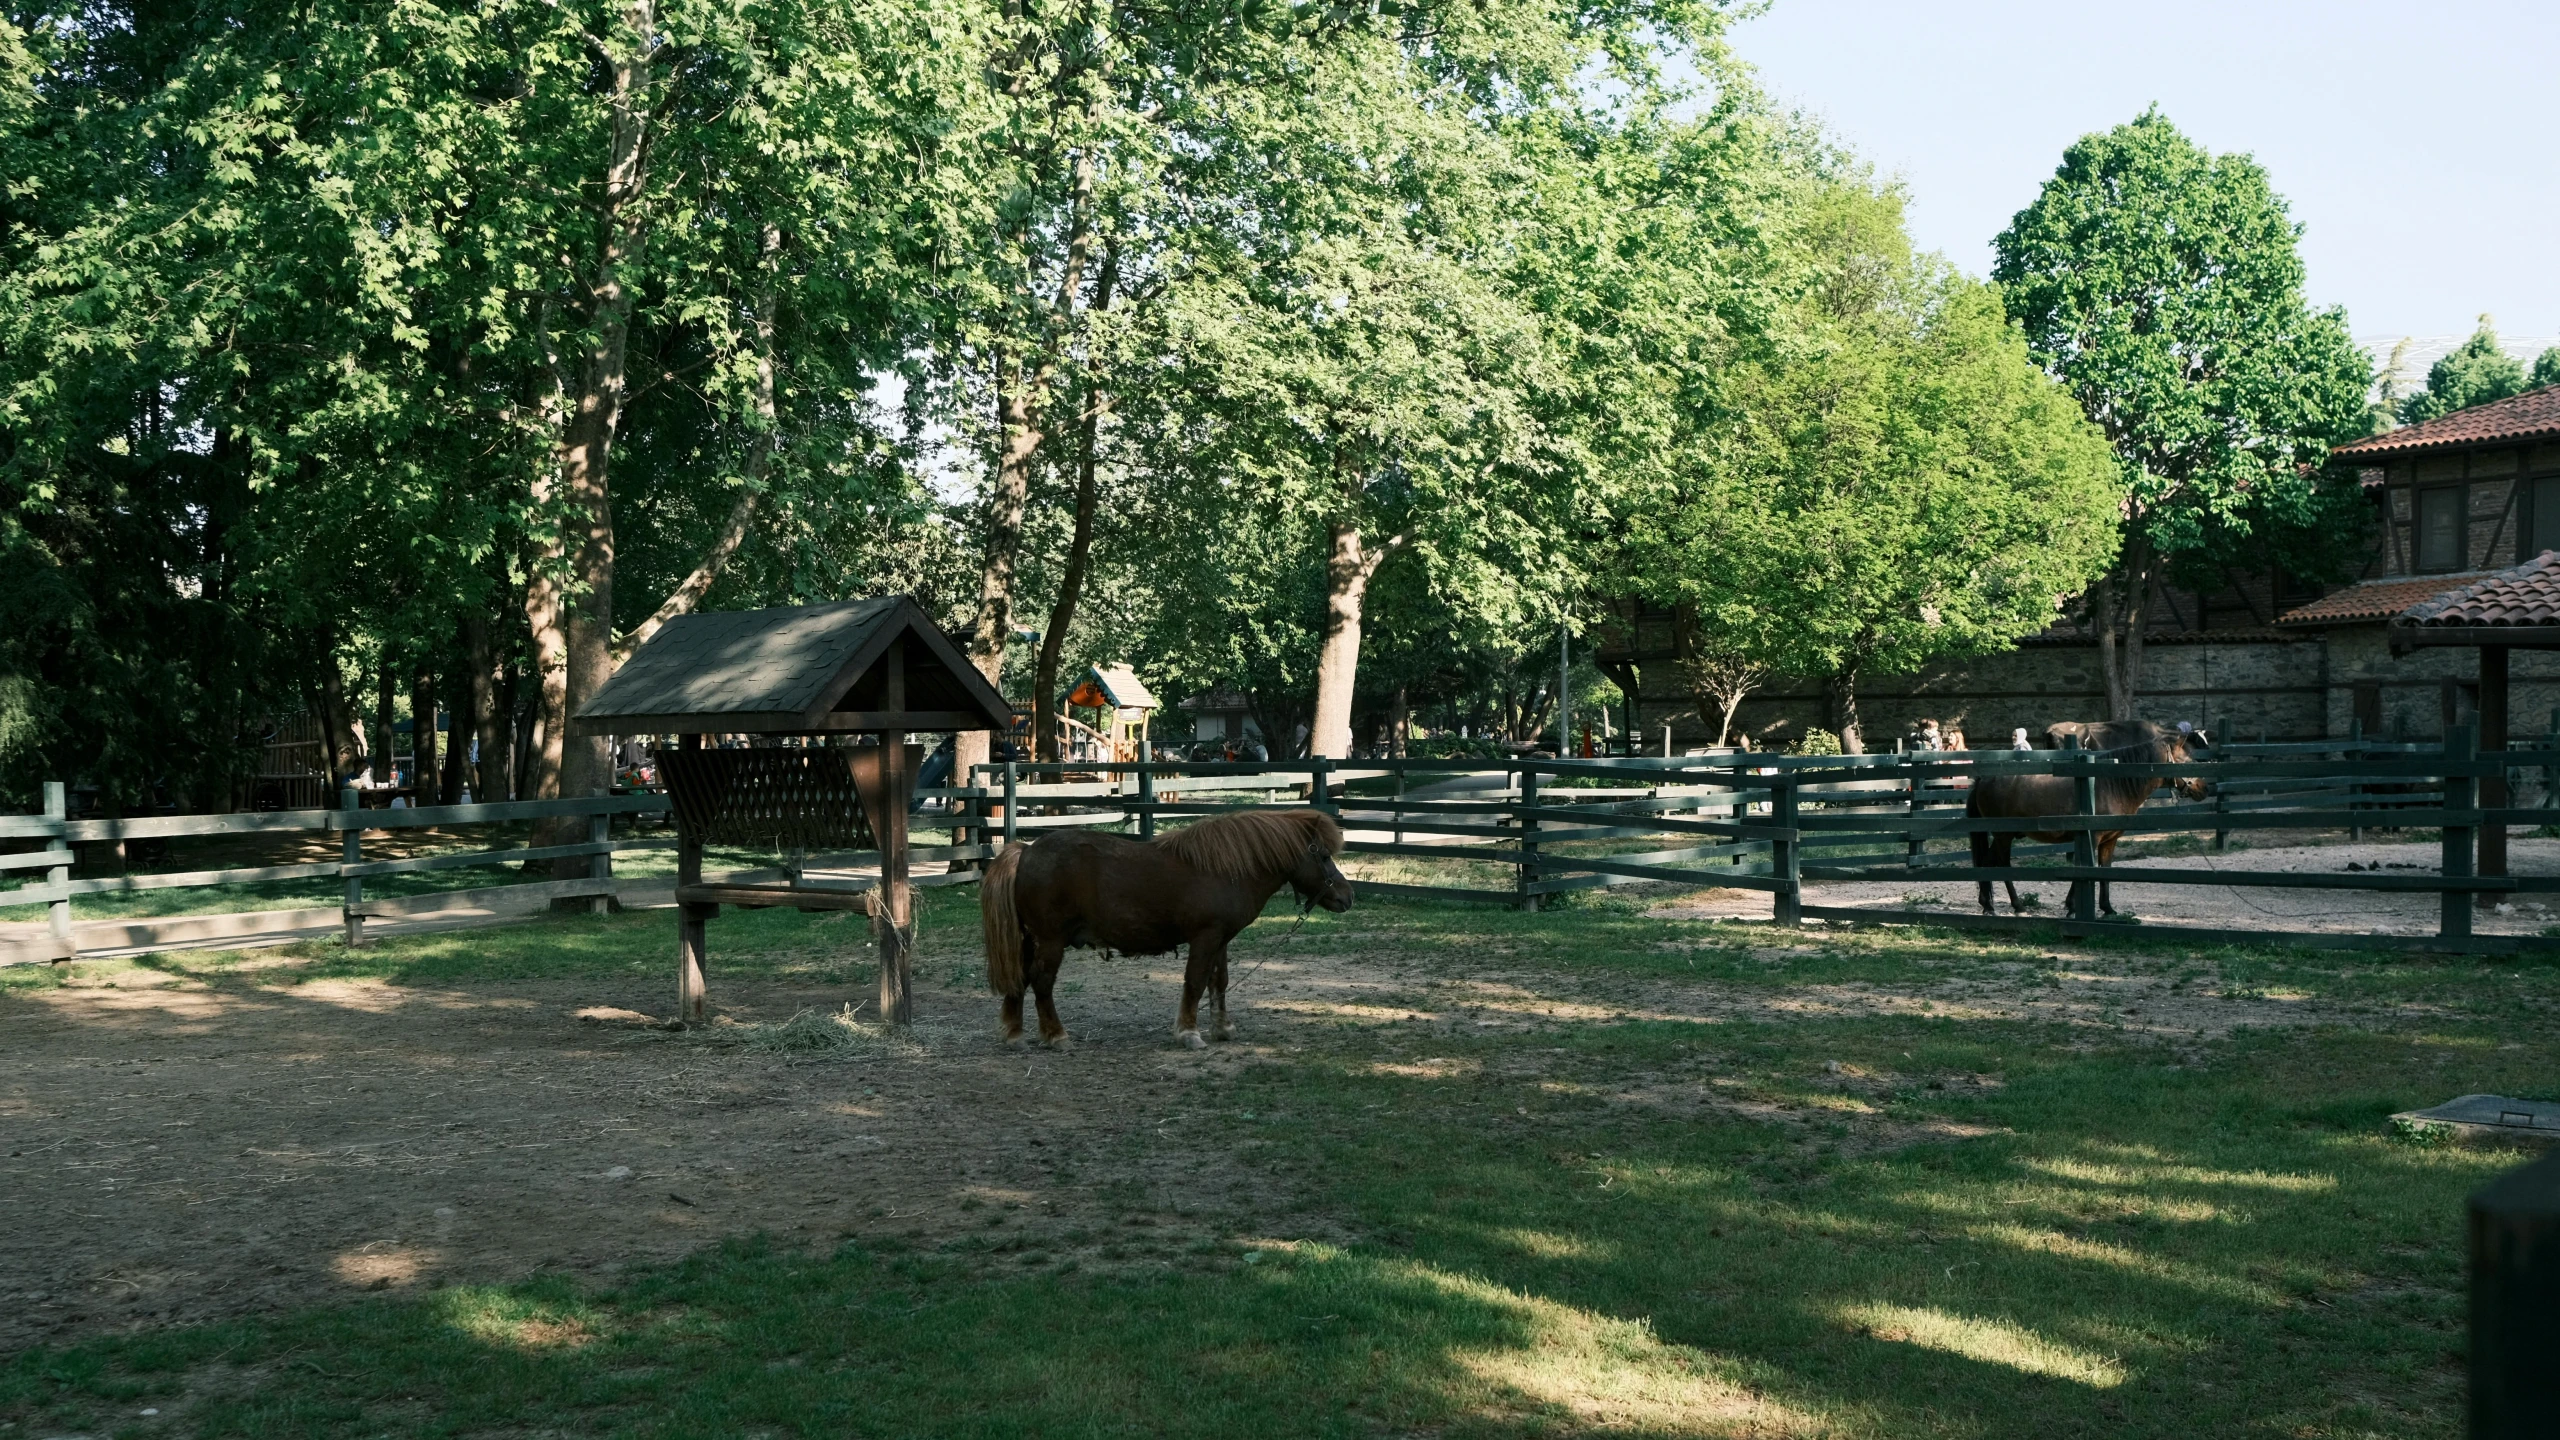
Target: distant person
(1250, 747)
(2018, 739)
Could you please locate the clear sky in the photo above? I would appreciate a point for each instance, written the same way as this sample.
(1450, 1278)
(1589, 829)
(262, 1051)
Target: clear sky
(2418, 144)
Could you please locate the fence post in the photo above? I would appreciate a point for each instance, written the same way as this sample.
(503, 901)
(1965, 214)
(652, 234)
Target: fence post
(1785, 865)
(600, 864)
(1528, 841)
(57, 806)
(1911, 836)
(351, 852)
(2355, 788)
(2083, 904)
(1010, 781)
(1320, 786)
(2460, 793)
(1147, 800)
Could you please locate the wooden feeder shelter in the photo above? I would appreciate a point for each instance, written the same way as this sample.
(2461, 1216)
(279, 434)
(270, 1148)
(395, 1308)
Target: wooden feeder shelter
(1116, 688)
(847, 683)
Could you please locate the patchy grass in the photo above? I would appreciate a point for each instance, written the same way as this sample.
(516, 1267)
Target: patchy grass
(1649, 1221)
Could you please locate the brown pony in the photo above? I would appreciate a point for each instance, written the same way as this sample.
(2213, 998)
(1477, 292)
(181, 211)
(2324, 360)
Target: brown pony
(1197, 886)
(2011, 797)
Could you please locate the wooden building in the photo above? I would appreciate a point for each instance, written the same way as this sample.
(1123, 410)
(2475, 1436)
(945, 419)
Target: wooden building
(2454, 500)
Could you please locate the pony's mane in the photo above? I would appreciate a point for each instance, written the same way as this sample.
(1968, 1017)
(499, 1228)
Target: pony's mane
(1253, 845)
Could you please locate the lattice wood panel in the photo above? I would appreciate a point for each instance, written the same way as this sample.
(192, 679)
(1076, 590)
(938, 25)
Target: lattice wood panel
(778, 799)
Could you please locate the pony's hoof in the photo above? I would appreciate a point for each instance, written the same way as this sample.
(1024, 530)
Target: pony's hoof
(1060, 1041)
(1222, 1034)
(1191, 1040)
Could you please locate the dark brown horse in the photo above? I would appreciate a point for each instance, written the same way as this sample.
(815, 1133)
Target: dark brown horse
(2018, 797)
(1197, 886)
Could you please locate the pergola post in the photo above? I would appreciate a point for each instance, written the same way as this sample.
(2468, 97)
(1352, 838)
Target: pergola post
(893, 923)
(2493, 741)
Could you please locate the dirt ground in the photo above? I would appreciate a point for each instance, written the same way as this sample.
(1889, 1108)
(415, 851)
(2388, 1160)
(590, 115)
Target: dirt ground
(2360, 912)
(181, 1151)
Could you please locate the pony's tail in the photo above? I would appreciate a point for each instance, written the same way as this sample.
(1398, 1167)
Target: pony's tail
(1004, 930)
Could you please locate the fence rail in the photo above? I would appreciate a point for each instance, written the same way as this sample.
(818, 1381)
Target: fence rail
(1746, 821)
(1774, 823)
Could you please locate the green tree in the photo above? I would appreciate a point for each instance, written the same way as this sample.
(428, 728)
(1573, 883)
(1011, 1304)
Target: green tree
(2546, 369)
(2162, 285)
(1906, 485)
(2476, 372)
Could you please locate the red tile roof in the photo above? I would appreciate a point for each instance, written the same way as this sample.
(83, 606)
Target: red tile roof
(2376, 599)
(2518, 417)
(2529, 594)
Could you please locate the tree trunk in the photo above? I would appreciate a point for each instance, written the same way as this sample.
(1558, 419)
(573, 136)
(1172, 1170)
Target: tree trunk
(489, 777)
(733, 531)
(385, 747)
(1020, 422)
(2120, 610)
(424, 763)
(1053, 641)
(1840, 694)
(1732, 701)
(1347, 569)
(573, 632)
(338, 722)
(1062, 616)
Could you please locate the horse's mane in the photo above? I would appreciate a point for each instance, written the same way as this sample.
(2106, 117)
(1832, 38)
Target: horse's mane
(1253, 844)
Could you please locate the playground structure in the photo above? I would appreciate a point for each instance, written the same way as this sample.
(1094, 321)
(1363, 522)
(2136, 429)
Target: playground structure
(1121, 706)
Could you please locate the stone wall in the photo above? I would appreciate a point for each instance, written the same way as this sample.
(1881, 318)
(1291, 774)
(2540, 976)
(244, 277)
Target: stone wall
(2245, 686)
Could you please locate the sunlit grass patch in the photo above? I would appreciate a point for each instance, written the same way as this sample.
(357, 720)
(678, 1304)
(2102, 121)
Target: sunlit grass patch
(1989, 1340)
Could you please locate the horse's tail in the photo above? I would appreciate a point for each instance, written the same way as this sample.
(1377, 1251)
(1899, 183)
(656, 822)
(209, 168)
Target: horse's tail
(1003, 927)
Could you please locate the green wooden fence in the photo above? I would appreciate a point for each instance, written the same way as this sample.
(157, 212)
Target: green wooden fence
(1776, 823)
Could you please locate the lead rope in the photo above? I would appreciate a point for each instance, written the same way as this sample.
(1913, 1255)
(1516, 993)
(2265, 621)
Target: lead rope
(1306, 904)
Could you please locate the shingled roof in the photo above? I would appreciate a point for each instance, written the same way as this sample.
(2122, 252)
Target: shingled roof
(2529, 594)
(2381, 599)
(796, 670)
(2531, 415)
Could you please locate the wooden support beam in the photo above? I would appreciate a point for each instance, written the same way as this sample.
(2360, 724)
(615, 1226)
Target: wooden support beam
(2493, 741)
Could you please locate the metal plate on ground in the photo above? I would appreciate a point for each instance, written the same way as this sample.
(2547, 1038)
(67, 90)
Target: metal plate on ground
(2488, 1120)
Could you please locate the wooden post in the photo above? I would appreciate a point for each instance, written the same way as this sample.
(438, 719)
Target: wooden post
(693, 922)
(351, 852)
(2460, 792)
(1785, 864)
(1527, 843)
(2493, 742)
(2083, 903)
(1320, 788)
(2355, 788)
(1911, 762)
(57, 806)
(1146, 799)
(2515, 1323)
(1009, 783)
(893, 919)
(600, 865)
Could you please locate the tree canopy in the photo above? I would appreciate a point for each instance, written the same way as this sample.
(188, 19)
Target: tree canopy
(379, 360)
(2163, 285)
(2476, 372)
